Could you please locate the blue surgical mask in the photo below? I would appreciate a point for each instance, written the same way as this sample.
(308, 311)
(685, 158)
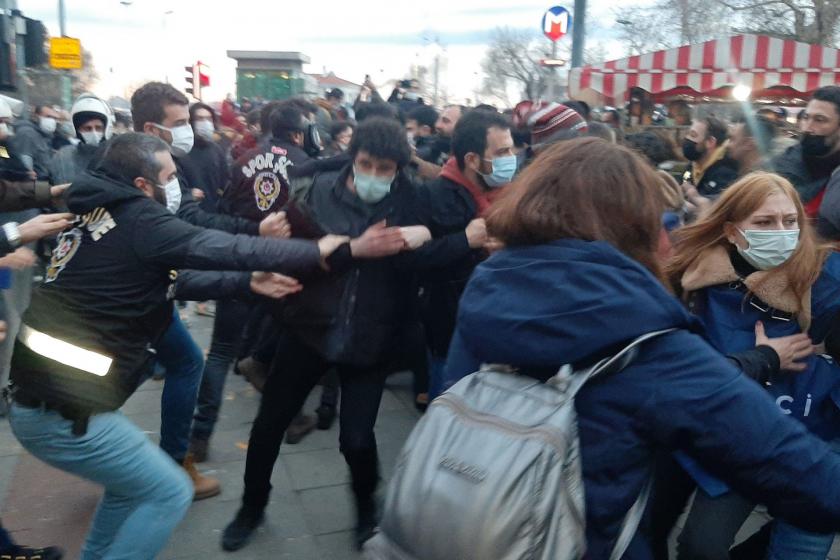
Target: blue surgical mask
(769, 248)
(370, 188)
(504, 168)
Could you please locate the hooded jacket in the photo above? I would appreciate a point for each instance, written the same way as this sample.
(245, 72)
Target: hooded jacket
(108, 288)
(206, 168)
(575, 302)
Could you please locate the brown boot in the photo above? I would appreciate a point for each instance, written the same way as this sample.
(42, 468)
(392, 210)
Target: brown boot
(205, 486)
(254, 372)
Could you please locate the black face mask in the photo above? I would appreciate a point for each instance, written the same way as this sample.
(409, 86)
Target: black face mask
(312, 140)
(690, 150)
(814, 146)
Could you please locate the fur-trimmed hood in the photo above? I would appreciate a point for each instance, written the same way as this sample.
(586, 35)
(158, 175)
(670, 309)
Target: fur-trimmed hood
(714, 267)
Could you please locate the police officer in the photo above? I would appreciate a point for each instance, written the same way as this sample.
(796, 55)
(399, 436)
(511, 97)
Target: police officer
(93, 123)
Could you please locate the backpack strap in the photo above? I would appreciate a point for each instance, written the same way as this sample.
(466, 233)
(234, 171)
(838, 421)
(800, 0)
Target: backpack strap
(631, 522)
(576, 380)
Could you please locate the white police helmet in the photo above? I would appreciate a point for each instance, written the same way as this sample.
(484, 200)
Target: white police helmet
(88, 106)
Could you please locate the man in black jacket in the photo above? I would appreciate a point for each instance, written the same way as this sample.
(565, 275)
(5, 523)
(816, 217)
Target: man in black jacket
(809, 164)
(206, 166)
(88, 335)
(161, 110)
(458, 202)
(712, 171)
(350, 320)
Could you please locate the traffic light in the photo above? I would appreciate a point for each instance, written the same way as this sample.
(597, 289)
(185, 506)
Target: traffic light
(193, 81)
(197, 78)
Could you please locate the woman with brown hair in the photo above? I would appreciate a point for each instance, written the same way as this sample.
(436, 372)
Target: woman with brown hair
(750, 268)
(577, 280)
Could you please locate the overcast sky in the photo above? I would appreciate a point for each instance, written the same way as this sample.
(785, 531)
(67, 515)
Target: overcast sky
(139, 42)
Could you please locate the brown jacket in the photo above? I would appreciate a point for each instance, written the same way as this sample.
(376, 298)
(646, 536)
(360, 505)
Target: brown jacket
(20, 195)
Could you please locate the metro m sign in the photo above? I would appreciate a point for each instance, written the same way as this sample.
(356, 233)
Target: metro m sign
(556, 22)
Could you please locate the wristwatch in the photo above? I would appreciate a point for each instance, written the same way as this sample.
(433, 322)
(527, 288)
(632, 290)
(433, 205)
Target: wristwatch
(12, 234)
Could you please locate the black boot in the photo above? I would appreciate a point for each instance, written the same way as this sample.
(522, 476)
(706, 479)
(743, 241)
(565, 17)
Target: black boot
(239, 531)
(364, 471)
(367, 519)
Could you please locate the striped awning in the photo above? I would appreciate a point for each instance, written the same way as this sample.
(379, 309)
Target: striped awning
(768, 65)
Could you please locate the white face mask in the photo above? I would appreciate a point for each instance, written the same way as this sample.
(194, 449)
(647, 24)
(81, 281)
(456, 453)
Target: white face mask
(182, 139)
(47, 124)
(172, 189)
(769, 248)
(205, 129)
(92, 137)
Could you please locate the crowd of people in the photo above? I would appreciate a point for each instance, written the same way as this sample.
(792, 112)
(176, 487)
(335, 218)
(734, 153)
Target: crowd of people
(344, 240)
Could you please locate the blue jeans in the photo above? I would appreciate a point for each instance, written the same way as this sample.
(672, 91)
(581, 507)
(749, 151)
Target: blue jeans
(184, 364)
(231, 316)
(436, 380)
(146, 493)
(790, 543)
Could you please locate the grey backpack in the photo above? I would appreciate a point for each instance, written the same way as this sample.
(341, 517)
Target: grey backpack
(492, 472)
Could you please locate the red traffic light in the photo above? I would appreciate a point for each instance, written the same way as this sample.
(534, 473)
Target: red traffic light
(197, 78)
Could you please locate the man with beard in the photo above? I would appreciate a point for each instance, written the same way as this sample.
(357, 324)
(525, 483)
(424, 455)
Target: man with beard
(809, 164)
(712, 171)
(92, 121)
(457, 202)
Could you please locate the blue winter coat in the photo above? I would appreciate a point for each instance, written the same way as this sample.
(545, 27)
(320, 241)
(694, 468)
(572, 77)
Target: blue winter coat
(574, 302)
(811, 396)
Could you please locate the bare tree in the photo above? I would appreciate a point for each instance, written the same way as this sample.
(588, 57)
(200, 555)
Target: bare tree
(515, 55)
(810, 21)
(643, 30)
(669, 23)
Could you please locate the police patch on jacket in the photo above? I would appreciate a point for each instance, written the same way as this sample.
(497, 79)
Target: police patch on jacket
(266, 169)
(68, 244)
(267, 188)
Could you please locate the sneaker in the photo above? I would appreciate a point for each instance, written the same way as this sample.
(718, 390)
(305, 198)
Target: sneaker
(326, 416)
(239, 531)
(205, 486)
(300, 426)
(26, 553)
(198, 449)
(254, 371)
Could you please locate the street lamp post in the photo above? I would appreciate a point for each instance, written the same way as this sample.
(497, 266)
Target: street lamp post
(62, 18)
(578, 33)
(163, 20)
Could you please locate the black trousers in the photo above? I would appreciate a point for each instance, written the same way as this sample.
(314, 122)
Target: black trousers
(295, 371)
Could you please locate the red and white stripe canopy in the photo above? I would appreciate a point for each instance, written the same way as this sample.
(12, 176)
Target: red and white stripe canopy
(770, 66)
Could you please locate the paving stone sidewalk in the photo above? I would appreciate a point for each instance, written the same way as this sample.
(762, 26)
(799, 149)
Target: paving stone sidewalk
(309, 518)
